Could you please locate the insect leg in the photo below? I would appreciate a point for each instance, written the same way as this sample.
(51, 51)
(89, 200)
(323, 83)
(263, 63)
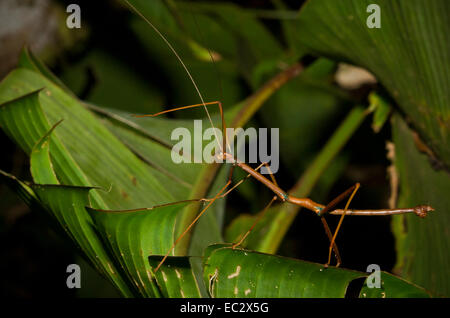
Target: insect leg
(354, 190)
(259, 217)
(191, 225)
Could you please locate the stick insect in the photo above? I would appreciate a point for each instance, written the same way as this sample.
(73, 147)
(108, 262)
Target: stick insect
(279, 194)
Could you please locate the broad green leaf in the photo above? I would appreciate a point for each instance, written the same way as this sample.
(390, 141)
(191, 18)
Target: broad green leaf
(81, 130)
(241, 273)
(393, 287)
(246, 274)
(409, 54)
(175, 277)
(184, 181)
(146, 138)
(69, 165)
(422, 244)
(131, 235)
(72, 216)
(135, 235)
(151, 140)
(29, 61)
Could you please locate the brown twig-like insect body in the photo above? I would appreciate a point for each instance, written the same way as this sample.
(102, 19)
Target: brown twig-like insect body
(281, 195)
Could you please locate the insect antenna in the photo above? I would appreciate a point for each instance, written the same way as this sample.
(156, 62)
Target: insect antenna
(182, 64)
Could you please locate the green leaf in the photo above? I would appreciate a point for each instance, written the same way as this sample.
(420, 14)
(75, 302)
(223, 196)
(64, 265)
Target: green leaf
(393, 287)
(40, 162)
(240, 273)
(72, 161)
(175, 277)
(409, 54)
(134, 235)
(81, 130)
(27, 110)
(422, 244)
(146, 137)
(29, 61)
